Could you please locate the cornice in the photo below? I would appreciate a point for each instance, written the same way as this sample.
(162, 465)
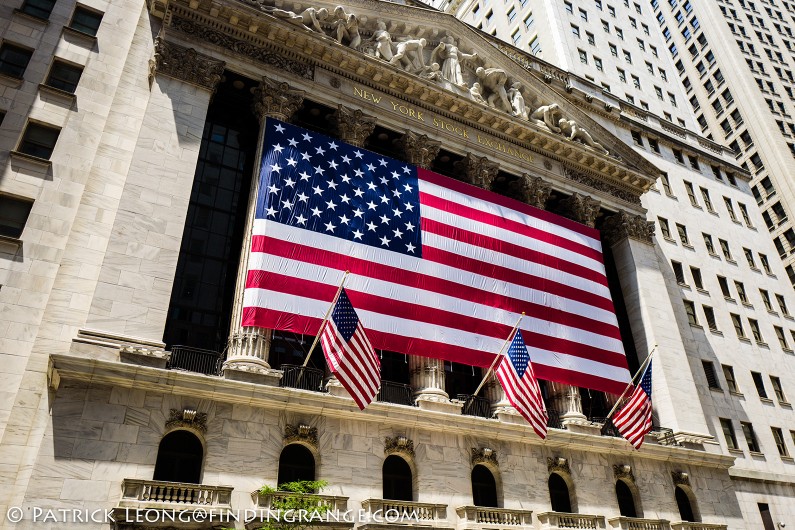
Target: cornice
(123, 375)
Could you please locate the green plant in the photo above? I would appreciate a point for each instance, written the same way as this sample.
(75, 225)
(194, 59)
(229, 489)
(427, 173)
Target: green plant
(298, 501)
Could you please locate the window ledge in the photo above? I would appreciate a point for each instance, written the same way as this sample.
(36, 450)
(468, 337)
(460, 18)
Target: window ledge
(683, 285)
(752, 227)
(716, 332)
(737, 222)
(766, 400)
(737, 394)
(30, 158)
(730, 299)
(771, 312)
(716, 389)
(713, 255)
(731, 260)
(9, 80)
(757, 454)
(713, 212)
(744, 339)
(28, 16)
(755, 269)
(787, 458)
(748, 305)
(697, 326)
(10, 241)
(763, 344)
(85, 37)
(672, 196)
(702, 290)
(670, 239)
(736, 451)
(688, 246)
(786, 404)
(696, 206)
(68, 97)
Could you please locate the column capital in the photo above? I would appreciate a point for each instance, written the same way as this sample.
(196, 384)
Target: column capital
(536, 190)
(353, 125)
(276, 99)
(624, 225)
(581, 208)
(477, 170)
(419, 149)
(185, 64)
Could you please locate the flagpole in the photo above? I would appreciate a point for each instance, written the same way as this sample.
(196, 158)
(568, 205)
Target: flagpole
(640, 370)
(325, 319)
(499, 355)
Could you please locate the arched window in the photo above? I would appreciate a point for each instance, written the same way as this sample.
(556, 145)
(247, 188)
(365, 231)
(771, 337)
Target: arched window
(296, 463)
(179, 458)
(683, 503)
(626, 501)
(397, 479)
(559, 494)
(484, 487)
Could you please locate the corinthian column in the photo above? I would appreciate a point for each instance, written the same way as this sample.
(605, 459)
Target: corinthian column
(566, 400)
(477, 170)
(249, 346)
(419, 149)
(353, 125)
(427, 381)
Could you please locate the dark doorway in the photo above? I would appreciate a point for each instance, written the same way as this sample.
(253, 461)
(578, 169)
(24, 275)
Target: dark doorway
(179, 458)
(484, 487)
(397, 479)
(626, 501)
(559, 494)
(683, 503)
(296, 463)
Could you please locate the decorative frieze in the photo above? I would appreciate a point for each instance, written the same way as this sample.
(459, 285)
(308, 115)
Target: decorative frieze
(301, 433)
(484, 455)
(558, 465)
(624, 225)
(353, 125)
(276, 99)
(581, 208)
(420, 150)
(187, 418)
(477, 170)
(185, 64)
(601, 185)
(399, 445)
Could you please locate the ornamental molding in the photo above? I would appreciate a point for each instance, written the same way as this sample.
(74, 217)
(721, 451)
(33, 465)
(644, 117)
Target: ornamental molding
(623, 225)
(399, 445)
(581, 208)
(419, 149)
(477, 170)
(301, 433)
(558, 465)
(185, 64)
(623, 472)
(276, 99)
(187, 419)
(484, 455)
(599, 184)
(680, 478)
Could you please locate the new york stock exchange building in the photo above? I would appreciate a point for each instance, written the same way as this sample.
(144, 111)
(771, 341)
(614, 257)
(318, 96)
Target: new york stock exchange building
(131, 144)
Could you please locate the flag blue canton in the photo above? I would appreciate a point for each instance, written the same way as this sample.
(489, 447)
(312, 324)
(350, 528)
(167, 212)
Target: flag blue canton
(645, 382)
(313, 182)
(517, 352)
(344, 316)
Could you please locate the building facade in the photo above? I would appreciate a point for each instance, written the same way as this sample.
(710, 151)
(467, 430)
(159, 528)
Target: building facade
(130, 140)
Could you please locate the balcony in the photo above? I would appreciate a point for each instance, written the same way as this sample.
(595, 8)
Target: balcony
(407, 513)
(698, 526)
(397, 393)
(197, 360)
(302, 377)
(634, 523)
(477, 517)
(171, 498)
(554, 520)
(331, 509)
(475, 406)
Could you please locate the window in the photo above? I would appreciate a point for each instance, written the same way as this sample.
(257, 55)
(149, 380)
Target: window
(766, 299)
(598, 63)
(627, 56)
(622, 75)
(741, 292)
(591, 38)
(765, 263)
(583, 14)
(85, 21)
(569, 7)
(724, 247)
(664, 229)
(679, 272)
(575, 31)
(654, 51)
(712, 378)
(559, 493)
(690, 309)
(778, 437)
(296, 463)
(13, 215)
(728, 433)
(620, 33)
(707, 200)
(606, 26)
(730, 208)
(38, 8)
(759, 383)
(755, 331)
(677, 153)
(179, 458)
(645, 28)
(744, 213)
(612, 11)
(626, 501)
(682, 231)
(731, 382)
(653, 143)
(708, 243)
(750, 437)
(738, 326)
(636, 81)
(782, 304)
(782, 338)
(397, 480)
(64, 76)
(691, 194)
(14, 60)
(709, 315)
(583, 56)
(484, 487)
(776, 383)
(749, 257)
(613, 50)
(39, 140)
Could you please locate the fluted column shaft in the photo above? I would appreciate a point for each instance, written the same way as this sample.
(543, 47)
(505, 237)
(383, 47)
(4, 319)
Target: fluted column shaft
(566, 401)
(427, 378)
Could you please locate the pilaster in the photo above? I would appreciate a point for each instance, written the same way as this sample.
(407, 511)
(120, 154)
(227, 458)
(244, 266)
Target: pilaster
(353, 125)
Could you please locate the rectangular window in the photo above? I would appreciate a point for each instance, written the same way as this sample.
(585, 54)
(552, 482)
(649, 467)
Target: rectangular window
(38, 8)
(738, 326)
(695, 272)
(782, 338)
(664, 229)
(755, 331)
(591, 38)
(636, 81)
(766, 299)
(575, 31)
(730, 209)
(666, 184)
(39, 140)
(712, 377)
(759, 383)
(86, 21)
(64, 76)
(14, 214)
(765, 263)
(682, 231)
(776, 383)
(627, 56)
(569, 7)
(691, 194)
(728, 433)
(583, 14)
(598, 63)
(782, 305)
(750, 437)
(679, 272)
(613, 50)
(778, 437)
(749, 257)
(724, 247)
(14, 60)
(653, 143)
(709, 244)
(690, 309)
(707, 200)
(620, 33)
(741, 292)
(583, 56)
(731, 381)
(677, 153)
(709, 315)
(744, 213)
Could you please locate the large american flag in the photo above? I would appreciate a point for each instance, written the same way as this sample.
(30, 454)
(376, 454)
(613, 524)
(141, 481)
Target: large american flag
(439, 268)
(515, 373)
(634, 421)
(349, 354)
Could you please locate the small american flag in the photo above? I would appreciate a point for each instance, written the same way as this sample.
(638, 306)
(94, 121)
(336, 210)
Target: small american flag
(634, 420)
(520, 385)
(349, 354)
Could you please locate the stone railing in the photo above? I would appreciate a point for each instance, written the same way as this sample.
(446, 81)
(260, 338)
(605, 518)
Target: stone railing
(554, 520)
(681, 525)
(634, 523)
(151, 493)
(325, 503)
(477, 515)
(407, 512)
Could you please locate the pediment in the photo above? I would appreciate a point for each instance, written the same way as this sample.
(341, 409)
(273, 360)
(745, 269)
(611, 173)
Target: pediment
(426, 56)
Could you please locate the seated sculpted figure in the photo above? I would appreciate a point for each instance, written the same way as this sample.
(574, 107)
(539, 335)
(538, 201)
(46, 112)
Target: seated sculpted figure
(347, 27)
(576, 132)
(310, 18)
(409, 55)
(548, 115)
(517, 100)
(476, 94)
(383, 42)
(494, 80)
(431, 72)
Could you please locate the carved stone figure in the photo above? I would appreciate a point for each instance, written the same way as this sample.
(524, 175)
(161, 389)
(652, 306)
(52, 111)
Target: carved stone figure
(409, 54)
(517, 101)
(450, 57)
(548, 115)
(576, 132)
(383, 42)
(494, 80)
(310, 18)
(347, 27)
(432, 72)
(476, 93)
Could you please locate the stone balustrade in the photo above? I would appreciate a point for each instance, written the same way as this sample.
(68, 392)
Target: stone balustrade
(325, 503)
(635, 523)
(408, 512)
(476, 516)
(155, 494)
(682, 525)
(555, 520)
